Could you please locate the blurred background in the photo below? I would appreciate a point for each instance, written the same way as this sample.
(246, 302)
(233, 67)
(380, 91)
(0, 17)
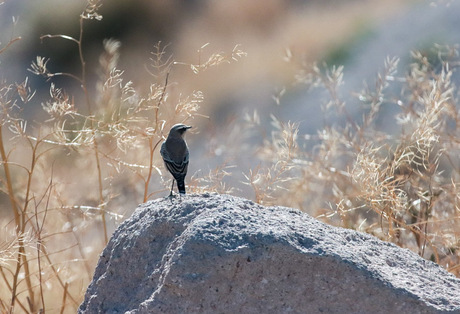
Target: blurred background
(281, 39)
(278, 36)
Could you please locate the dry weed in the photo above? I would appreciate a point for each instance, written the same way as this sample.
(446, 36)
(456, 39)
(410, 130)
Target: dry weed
(401, 187)
(70, 176)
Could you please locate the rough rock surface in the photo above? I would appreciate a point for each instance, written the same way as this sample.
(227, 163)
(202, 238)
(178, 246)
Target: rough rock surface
(221, 254)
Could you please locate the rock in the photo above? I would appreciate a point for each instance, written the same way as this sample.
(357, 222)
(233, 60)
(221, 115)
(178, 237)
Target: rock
(221, 254)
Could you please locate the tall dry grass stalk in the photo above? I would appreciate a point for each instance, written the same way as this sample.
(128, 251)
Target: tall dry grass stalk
(69, 177)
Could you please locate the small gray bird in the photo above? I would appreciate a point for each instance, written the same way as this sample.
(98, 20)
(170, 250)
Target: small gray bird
(175, 155)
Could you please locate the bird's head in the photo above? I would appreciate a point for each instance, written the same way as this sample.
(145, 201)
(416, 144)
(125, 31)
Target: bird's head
(178, 129)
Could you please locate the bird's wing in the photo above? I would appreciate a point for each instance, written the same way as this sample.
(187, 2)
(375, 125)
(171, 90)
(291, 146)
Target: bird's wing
(186, 156)
(176, 169)
(164, 153)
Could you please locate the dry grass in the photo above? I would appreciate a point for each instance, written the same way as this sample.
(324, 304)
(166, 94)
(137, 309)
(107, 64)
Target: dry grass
(69, 176)
(67, 179)
(401, 187)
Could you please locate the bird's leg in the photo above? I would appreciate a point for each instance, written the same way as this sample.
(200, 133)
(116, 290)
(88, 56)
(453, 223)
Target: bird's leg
(172, 187)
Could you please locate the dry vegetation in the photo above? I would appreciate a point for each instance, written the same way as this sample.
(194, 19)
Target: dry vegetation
(68, 178)
(401, 187)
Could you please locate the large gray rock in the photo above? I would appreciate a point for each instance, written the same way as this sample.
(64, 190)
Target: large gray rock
(221, 254)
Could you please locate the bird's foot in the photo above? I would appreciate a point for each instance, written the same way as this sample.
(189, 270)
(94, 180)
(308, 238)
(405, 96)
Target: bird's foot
(170, 196)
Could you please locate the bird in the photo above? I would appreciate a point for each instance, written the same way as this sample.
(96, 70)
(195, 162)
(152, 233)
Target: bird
(175, 155)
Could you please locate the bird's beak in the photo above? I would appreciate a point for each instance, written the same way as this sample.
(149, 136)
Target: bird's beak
(188, 127)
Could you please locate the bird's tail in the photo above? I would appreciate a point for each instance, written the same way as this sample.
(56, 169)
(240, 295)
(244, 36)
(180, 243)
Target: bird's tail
(181, 185)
